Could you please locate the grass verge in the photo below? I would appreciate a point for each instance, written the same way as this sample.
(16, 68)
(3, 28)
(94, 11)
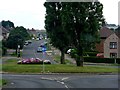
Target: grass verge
(15, 55)
(57, 59)
(13, 67)
(2, 82)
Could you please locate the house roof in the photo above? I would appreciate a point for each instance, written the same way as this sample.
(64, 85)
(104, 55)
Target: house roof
(118, 33)
(4, 30)
(105, 32)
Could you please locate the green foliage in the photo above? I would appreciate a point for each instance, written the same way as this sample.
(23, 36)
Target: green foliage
(3, 82)
(73, 53)
(91, 53)
(74, 24)
(101, 60)
(17, 37)
(4, 47)
(7, 24)
(55, 30)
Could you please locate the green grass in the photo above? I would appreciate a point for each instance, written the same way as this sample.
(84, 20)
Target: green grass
(13, 67)
(2, 82)
(14, 54)
(57, 59)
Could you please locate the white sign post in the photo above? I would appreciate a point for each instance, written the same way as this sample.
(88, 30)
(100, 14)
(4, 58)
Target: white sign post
(43, 52)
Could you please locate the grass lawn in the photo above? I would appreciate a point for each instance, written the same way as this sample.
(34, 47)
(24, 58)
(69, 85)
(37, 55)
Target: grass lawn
(57, 59)
(13, 67)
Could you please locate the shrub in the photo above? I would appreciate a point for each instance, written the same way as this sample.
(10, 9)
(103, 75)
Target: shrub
(73, 53)
(90, 53)
(101, 60)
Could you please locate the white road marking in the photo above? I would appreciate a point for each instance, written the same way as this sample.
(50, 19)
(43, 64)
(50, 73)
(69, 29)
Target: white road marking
(12, 83)
(64, 78)
(66, 86)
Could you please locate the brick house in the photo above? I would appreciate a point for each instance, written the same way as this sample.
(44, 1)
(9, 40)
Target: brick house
(112, 46)
(5, 32)
(104, 33)
(110, 43)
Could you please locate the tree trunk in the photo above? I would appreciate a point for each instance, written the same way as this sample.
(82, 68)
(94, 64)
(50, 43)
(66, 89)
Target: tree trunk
(16, 51)
(79, 61)
(62, 57)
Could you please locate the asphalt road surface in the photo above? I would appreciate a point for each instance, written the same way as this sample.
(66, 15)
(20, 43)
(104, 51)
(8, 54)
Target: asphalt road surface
(30, 51)
(61, 81)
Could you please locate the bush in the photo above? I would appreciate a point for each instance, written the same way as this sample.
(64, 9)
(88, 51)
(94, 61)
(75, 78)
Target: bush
(73, 53)
(90, 53)
(101, 60)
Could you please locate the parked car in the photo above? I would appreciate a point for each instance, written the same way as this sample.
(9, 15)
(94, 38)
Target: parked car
(33, 38)
(47, 61)
(29, 41)
(26, 43)
(39, 49)
(69, 51)
(42, 44)
(37, 39)
(100, 55)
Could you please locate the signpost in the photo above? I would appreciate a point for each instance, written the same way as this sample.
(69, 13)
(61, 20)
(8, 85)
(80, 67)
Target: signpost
(18, 51)
(43, 52)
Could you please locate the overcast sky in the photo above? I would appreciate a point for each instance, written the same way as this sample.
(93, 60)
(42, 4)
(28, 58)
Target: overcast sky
(31, 13)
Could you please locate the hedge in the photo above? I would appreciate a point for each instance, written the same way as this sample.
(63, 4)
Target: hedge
(91, 53)
(101, 60)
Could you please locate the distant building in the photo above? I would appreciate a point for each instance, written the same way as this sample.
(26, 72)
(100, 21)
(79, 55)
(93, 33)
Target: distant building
(36, 33)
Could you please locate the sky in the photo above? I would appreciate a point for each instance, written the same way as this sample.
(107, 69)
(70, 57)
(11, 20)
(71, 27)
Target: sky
(31, 13)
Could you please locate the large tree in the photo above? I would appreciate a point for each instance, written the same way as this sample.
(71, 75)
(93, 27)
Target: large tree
(7, 24)
(82, 20)
(55, 30)
(17, 37)
(77, 22)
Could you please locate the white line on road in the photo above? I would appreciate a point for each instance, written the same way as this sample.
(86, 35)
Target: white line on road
(12, 83)
(64, 78)
(66, 86)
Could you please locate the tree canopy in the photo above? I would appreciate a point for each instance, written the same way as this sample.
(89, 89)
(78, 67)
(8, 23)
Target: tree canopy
(80, 22)
(54, 28)
(17, 37)
(7, 24)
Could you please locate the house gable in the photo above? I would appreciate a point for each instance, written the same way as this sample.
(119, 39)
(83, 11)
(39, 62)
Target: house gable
(113, 38)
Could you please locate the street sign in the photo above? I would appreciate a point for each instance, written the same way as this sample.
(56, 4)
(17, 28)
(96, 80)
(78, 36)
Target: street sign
(43, 49)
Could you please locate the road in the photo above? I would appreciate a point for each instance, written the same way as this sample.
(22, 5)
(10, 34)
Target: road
(61, 81)
(30, 51)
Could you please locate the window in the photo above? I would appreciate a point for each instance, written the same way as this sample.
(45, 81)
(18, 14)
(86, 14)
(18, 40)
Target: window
(113, 45)
(113, 55)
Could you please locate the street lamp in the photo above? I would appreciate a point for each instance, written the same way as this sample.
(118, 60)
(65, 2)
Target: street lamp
(18, 51)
